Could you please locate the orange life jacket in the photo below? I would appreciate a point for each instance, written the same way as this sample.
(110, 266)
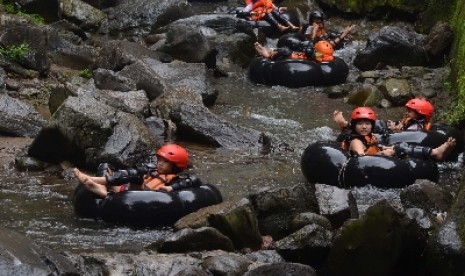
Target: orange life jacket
(323, 57)
(156, 182)
(260, 8)
(407, 122)
(369, 141)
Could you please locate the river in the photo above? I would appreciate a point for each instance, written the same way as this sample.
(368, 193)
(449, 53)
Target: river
(38, 204)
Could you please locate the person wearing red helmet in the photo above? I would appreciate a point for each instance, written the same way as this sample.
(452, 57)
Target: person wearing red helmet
(167, 175)
(417, 117)
(322, 51)
(360, 140)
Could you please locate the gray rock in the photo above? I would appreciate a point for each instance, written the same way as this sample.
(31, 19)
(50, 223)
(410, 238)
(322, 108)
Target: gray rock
(19, 118)
(188, 239)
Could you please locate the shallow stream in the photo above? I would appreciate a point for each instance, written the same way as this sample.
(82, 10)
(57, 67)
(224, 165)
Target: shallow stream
(39, 204)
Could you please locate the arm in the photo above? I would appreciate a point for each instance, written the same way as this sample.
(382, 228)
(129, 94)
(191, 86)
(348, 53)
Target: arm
(344, 34)
(183, 182)
(356, 147)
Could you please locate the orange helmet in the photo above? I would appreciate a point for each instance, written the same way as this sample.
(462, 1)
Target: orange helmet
(324, 51)
(175, 154)
(422, 107)
(362, 113)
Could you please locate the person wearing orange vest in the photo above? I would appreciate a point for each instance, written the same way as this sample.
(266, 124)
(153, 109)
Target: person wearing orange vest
(360, 140)
(322, 51)
(266, 10)
(167, 175)
(316, 29)
(417, 117)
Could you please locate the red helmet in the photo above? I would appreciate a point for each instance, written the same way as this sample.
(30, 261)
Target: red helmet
(175, 154)
(363, 113)
(421, 106)
(324, 51)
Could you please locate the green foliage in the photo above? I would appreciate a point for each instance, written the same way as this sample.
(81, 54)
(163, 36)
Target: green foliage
(11, 9)
(86, 73)
(16, 53)
(457, 75)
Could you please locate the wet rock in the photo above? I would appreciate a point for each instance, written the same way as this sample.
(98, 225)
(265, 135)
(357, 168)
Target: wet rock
(392, 46)
(304, 219)
(423, 219)
(188, 239)
(282, 269)
(26, 163)
(265, 256)
(139, 17)
(235, 219)
(192, 271)
(2, 79)
(88, 132)
(158, 78)
(445, 252)
(397, 90)
(67, 48)
(336, 204)
(438, 43)
(276, 208)
(367, 95)
(426, 195)
(194, 121)
(117, 54)
(157, 127)
(110, 80)
(31, 38)
(19, 118)
(383, 242)
(309, 245)
(22, 256)
(186, 43)
(81, 13)
(231, 265)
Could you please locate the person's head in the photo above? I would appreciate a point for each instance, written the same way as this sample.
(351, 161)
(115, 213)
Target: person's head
(315, 16)
(324, 51)
(172, 158)
(363, 120)
(419, 108)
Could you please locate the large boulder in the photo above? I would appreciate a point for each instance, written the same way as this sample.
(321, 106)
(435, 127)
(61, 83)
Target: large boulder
(392, 46)
(383, 242)
(19, 118)
(21, 256)
(139, 17)
(194, 121)
(88, 132)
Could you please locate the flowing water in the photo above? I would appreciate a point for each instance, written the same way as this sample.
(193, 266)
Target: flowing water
(38, 204)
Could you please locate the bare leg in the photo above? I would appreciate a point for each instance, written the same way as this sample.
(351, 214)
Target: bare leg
(282, 28)
(443, 150)
(263, 51)
(339, 119)
(292, 26)
(90, 183)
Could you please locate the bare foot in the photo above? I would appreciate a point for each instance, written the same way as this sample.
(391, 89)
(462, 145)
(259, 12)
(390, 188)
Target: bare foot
(443, 150)
(80, 176)
(339, 119)
(293, 27)
(282, 28)
(262, 50)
